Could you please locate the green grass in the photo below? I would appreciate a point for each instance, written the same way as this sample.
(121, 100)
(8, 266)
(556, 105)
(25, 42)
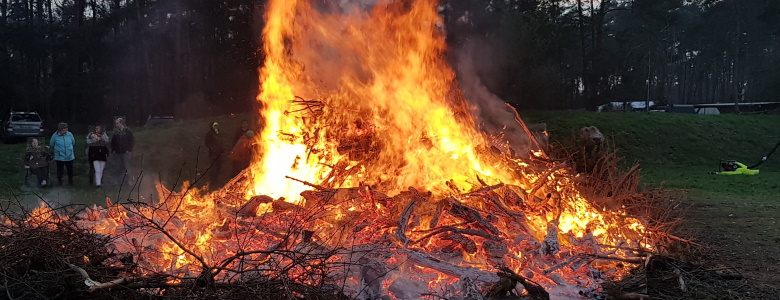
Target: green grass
(679, 150)
(171, 154)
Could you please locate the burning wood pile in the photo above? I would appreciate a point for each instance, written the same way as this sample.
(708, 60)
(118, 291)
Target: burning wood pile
(372, 180)
(492, 242)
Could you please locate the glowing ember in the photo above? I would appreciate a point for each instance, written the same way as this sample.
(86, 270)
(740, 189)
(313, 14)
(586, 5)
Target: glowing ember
(359, 103)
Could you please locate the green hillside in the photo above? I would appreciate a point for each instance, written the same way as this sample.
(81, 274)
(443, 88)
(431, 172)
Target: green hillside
(680, 149)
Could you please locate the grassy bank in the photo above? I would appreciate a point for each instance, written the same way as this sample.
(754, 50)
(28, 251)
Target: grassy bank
(679, 150)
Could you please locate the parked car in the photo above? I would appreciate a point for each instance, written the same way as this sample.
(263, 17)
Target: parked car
(19, 125)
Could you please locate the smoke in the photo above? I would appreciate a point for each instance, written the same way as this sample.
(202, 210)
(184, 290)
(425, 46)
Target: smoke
(351, 5)
(493, 115)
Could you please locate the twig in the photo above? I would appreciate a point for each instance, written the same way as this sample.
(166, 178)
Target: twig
(316, 186)
(95, 285)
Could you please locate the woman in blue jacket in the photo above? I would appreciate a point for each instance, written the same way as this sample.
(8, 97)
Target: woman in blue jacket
(63, 144)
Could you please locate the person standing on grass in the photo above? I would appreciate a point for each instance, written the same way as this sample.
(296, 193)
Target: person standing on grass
(216, 146)
(122, 144)
(37, 161)
(241, 131)
(242, 152)
(98, 152)
(63, 143)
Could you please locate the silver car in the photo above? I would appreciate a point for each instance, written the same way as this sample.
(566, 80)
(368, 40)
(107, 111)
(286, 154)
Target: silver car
(22, 125)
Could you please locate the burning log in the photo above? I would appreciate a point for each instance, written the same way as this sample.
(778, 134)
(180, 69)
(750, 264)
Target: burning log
(249, 209)
(460, 231)
(550, 246)
(470, 291)
(403, 222)
(466, 244)
(94, 285)
(450, 269)
(508, 282)
(371, 274)
(467, 214)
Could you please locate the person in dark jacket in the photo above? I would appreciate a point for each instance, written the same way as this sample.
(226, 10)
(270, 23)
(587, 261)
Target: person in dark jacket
(216, 146)
(97, 153)
(37, 159)
(63, 143)
(122, 144)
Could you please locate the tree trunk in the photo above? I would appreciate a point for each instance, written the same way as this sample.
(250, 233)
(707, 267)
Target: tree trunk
(736, 80)
(3, 11)
(147, 94)
(583, 53)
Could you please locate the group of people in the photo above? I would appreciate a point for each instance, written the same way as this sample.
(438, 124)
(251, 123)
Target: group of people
(240, 154)
(120, 146)
(62, 143)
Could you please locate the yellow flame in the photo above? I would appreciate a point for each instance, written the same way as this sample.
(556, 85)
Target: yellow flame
(380, 77)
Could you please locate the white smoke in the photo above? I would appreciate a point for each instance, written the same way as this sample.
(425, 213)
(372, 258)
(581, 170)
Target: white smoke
(492, 112)
(352, 5)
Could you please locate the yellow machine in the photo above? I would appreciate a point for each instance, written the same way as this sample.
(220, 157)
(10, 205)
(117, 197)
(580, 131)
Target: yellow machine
(733, 167)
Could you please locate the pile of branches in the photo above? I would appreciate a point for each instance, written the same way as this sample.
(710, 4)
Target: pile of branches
(608, 182)
(46, 254)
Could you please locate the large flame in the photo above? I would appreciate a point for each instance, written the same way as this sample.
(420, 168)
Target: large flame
(359, 102)
(379, 79)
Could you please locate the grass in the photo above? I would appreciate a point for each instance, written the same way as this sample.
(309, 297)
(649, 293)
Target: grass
(171, 154)
(679, 150)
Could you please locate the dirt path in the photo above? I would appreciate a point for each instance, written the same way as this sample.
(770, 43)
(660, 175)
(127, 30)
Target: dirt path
(743, 235)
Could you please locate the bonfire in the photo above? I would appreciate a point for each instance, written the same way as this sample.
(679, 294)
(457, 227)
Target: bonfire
(372, 178)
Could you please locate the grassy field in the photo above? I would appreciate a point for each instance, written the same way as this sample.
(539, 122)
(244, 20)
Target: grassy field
(735, 217)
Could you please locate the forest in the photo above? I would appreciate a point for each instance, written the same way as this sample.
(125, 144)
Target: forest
(84, 61)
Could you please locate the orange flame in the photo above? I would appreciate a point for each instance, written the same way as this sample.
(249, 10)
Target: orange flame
(379, 76)
(364, 98)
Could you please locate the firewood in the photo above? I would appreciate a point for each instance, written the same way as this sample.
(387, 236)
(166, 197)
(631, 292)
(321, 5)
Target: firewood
(95, 285)
(517, 216)
(485, 189)
(465, 243)
(495, 249)
(468, 214)
(513, 199)
(318, 197)
(470, 291)
(535, 290)
(316, 186)
(550, 245)
(403, 222)
(450, 269)
(249, 209)
(463, 231)
(282, 205)
(437, 214)
(371, 273)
